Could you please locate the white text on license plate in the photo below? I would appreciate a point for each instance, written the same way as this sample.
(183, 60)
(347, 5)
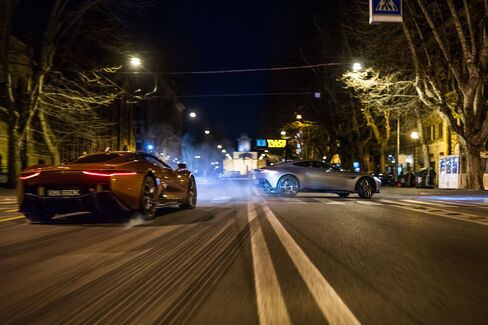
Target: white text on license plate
(63, 192)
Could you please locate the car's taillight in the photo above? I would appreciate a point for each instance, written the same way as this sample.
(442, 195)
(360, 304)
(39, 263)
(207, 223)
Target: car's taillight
(108, 173)
(29, 175)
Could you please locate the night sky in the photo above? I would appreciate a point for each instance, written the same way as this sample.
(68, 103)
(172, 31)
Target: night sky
(219, 35)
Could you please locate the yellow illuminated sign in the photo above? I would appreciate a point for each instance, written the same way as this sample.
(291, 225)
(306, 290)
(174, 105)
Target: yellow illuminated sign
(276, 143)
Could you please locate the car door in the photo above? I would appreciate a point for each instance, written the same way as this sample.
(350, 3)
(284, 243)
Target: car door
(329, 177)
(167, 177)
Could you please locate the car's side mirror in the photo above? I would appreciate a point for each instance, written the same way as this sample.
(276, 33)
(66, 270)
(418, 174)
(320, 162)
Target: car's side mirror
(182, 166)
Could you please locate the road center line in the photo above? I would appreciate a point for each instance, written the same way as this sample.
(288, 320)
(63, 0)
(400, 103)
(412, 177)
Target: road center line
(329, 302)
(271, 306)
(11, 218)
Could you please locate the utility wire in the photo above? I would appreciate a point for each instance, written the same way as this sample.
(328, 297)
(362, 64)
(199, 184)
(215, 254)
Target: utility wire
(297, 67)
(238, 95)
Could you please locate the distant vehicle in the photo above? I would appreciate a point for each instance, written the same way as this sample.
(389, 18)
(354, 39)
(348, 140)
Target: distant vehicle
(120, 182)
(289, 178)
(386, 179)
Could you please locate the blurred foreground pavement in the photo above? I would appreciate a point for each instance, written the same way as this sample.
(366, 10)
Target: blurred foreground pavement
(405, 256)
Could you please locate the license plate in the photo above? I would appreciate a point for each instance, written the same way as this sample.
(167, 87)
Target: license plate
(63, 192)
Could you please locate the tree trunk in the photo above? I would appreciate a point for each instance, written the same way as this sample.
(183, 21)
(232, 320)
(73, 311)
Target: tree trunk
(12, 153)
(382, 158)
(473, 167)
(47, 135)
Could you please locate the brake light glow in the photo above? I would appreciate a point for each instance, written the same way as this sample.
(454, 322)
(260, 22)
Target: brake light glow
(30, 175)
(108, 173)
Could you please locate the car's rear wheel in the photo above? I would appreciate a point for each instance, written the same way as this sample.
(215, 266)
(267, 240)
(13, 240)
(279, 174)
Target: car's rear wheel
(39, 218)
(148, 200)
(343, 194)
(288, 186)
(191, 197)
(366, 188)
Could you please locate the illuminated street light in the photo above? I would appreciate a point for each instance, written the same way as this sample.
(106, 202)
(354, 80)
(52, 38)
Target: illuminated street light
(192, 114)
(197, 157)
(207, 132)
(219, 146)
(357, 67)
(283, 133)
(414, 135)
(224, 151)
(150, 147)
(299, 116)
(135, 61)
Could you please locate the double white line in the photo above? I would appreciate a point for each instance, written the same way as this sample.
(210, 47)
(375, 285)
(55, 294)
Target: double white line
(270, 301)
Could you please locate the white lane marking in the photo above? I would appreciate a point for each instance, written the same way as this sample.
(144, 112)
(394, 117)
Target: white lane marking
(295, 200)
(329, 201)
(329, 302)
(336, 203)
(271, 305)
(368, 203)
(426, 203)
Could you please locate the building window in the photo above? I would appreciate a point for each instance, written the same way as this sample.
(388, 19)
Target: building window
(440, 133)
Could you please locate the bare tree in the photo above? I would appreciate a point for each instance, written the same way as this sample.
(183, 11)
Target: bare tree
(459, 33)
(57, 35)
(71, 109)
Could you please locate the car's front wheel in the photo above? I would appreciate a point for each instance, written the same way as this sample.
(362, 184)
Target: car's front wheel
(148, 200)
(191, 197)
(288, 186)
(366, 188)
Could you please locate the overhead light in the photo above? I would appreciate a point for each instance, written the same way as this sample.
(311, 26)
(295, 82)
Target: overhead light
(135, 61)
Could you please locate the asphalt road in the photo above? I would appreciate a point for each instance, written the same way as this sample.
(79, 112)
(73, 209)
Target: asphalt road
(404, 257)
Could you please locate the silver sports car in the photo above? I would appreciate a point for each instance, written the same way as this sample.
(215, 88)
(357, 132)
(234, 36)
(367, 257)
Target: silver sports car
(287, 179)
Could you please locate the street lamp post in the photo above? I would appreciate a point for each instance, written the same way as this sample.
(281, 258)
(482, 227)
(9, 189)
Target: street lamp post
(415, 136)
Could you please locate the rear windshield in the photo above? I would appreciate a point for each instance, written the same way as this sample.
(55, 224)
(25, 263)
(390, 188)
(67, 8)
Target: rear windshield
(102, 157)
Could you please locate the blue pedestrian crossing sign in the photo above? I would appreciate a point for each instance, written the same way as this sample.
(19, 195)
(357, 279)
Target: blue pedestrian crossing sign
(385, 11)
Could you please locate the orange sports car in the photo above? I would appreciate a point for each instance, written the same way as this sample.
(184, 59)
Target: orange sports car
(112, 182)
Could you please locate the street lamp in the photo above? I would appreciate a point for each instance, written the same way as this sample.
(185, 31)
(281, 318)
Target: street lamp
(219, 146)
(207, 132)
(299, 116)
(135, 61)
(356, 67)
(192, 114)
(414, 135)
(224, 151)
(283, 133)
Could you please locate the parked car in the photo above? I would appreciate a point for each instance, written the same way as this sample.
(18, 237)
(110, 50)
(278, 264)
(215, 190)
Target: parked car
(289, 178)
(386, 179)
(110, 182)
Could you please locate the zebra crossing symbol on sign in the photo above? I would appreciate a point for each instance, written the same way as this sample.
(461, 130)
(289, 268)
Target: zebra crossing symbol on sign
(386, 5)
(385, 11)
